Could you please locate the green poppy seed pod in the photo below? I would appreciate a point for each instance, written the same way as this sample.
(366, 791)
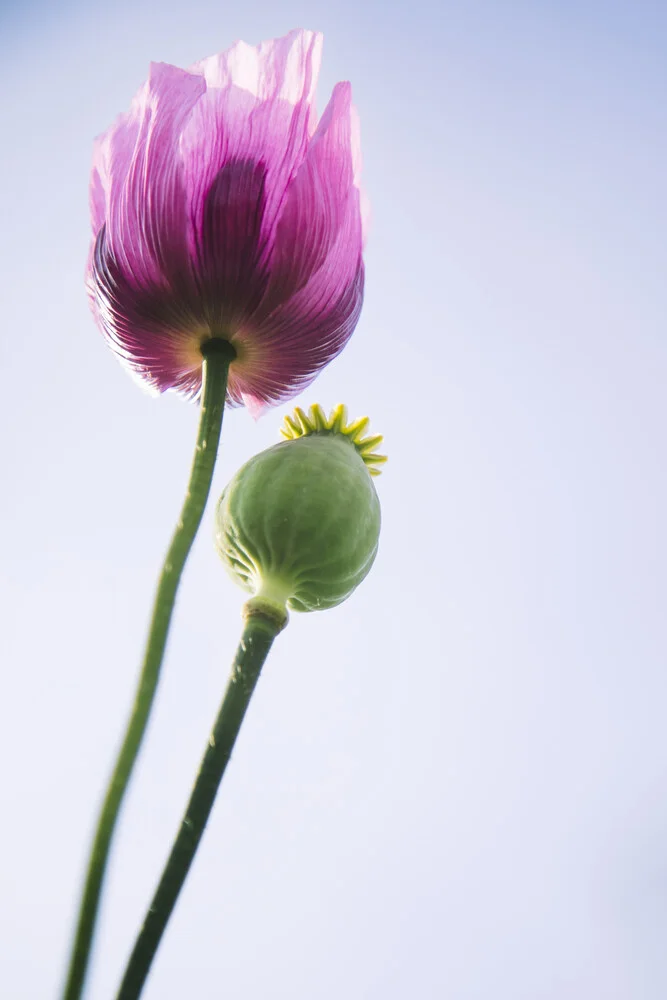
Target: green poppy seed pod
(298, 525)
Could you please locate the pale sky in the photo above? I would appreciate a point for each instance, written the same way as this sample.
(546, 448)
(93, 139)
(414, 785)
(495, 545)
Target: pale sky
(454, 786)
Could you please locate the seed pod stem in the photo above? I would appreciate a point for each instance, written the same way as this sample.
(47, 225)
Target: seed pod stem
(258, 634)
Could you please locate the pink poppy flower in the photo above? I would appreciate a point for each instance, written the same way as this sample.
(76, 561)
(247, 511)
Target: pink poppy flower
(222, 208)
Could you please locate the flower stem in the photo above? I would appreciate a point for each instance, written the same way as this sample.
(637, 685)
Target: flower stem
(218, 355)
(258, 635)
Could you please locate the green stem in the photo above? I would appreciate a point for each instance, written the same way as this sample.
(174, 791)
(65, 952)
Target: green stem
(218, 355)
(257, 638)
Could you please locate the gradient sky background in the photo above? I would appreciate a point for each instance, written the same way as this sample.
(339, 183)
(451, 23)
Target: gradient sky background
(455, 785)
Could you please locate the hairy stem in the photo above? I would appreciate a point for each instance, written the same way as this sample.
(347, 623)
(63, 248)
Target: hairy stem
(218, 355)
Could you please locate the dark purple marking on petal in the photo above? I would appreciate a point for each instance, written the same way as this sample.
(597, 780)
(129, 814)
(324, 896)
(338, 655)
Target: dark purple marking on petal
(231, 252)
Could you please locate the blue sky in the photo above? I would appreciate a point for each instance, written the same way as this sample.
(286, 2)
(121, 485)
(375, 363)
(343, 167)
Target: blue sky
(455, 784)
